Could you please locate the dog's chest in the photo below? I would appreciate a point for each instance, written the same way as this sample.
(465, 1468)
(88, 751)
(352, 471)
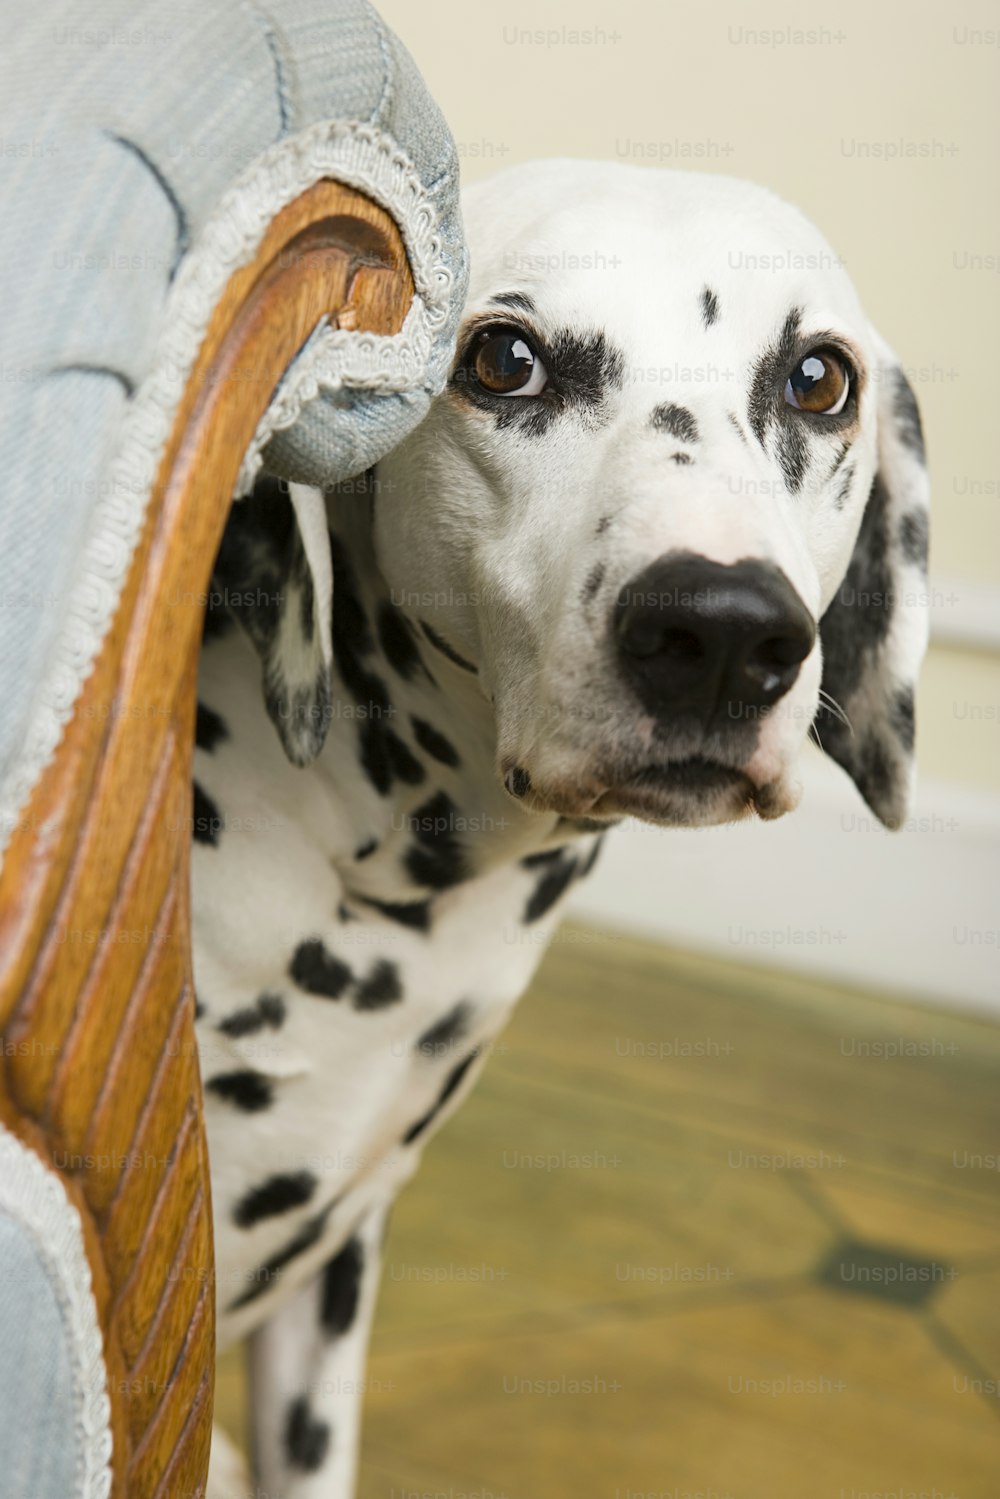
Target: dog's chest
(327, 1112)
(344, 1010)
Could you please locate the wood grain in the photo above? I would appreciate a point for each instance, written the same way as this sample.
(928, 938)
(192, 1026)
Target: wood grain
(99, 1069)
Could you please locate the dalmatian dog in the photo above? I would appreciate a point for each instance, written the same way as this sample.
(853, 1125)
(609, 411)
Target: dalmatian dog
(668, 517)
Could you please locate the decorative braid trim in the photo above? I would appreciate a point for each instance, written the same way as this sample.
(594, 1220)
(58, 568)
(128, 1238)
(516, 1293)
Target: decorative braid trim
(333, 359)
(36, 1199)
(359, 155)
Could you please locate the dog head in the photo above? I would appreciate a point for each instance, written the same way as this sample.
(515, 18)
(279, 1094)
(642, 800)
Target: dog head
(672, 505)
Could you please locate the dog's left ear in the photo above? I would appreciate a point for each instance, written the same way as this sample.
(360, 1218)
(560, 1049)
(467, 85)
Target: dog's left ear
(874, 632)
(274, 573)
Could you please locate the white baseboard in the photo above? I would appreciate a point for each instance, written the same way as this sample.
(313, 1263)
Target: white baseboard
(824, 891)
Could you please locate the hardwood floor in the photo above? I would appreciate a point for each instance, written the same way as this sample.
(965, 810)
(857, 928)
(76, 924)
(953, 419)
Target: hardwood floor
(700, 1231)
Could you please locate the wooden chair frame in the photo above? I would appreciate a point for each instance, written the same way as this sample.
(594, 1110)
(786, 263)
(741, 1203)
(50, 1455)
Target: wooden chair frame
(99, 1070)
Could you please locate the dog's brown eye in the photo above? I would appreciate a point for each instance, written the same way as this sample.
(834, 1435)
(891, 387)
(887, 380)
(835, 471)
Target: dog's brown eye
(505, 364)
(819, 383)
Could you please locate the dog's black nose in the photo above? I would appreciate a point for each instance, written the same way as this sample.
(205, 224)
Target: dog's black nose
(709, 641)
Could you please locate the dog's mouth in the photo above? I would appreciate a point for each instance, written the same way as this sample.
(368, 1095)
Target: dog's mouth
(693, 790)
(689, 792)
(696, 773)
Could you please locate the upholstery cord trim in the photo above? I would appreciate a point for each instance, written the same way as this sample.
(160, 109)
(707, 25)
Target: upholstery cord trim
(358, 155)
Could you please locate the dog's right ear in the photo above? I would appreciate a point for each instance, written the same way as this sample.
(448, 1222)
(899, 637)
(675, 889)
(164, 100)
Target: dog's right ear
(874, 631)
(275, 575)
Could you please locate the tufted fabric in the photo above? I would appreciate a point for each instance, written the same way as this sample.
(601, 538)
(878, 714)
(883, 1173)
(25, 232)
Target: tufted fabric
(145, 148)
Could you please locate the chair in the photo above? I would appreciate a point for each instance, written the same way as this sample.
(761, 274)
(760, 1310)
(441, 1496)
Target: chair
(237, 242)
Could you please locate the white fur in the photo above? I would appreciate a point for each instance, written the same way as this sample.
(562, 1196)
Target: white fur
(510, 520)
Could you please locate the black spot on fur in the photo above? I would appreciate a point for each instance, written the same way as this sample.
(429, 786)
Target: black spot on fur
(709, 307)
(437, 857)
(845, 448)
(442, 1035)
(434, 742)
(602, 525)
(793, 456)
(255, 558)
(593, 583)
(373, 756)
(907, 414)
(769, 374)
(199, 1008)
(846, 485)
(206, 823)
(247, 1090)
(365, 850)
(350, 622)
(543, 859)
(519, 300)
(395, 635)
(676, 420)
(681, 459)
(914, 536)
(268, 1009)
(591, 859)
(853, 631)
(736, 425)
(380, 988)
(352, 639)
(405, 765)
(442, 645)
(209, 728)
(452, 1081)
(307, 1437)
(279, 1194)
(413, 914)
(267, 1276)
(903, 717)
(317, 971)
(340, 1289)
(385, 758)
(261, 565)
(218, 621)
(548, 890)
(860, 614)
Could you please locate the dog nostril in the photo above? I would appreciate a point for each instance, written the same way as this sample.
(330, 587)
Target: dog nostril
(775, 661)
(682, 645)
(784, 650)
(645, 636)
(763, 674)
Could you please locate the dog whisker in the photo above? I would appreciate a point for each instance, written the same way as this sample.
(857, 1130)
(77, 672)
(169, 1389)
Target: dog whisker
(830, 703)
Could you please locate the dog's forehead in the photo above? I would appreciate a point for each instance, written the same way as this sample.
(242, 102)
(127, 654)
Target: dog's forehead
(638, 250)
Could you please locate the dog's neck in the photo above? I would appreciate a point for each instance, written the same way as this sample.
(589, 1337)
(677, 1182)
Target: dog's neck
(427, 740)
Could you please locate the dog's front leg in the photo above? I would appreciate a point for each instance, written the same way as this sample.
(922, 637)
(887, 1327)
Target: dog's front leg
(307, 1375)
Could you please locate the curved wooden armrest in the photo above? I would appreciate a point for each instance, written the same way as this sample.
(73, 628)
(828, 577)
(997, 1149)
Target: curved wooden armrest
(98, 1071)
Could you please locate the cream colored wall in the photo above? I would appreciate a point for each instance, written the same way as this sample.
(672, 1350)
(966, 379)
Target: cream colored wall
(721, 86)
